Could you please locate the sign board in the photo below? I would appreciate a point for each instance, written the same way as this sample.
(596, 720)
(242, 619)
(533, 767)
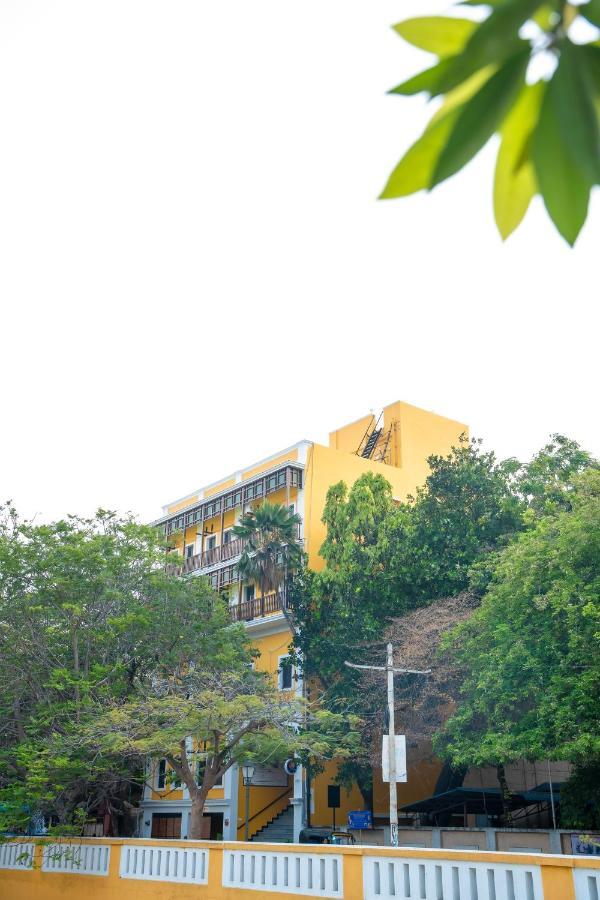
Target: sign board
(359, 819)
(589, 847)
(333, 796)
(400, 758)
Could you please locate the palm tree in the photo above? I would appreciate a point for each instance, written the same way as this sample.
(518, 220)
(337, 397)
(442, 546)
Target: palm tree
(272, 547)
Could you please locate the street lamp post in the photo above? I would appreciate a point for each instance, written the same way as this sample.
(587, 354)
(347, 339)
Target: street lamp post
(247, 774)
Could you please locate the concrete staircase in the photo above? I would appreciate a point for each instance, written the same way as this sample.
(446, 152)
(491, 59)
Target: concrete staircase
(279, 830)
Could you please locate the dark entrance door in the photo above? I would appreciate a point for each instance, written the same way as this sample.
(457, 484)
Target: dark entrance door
(166, 825)
(216, 826)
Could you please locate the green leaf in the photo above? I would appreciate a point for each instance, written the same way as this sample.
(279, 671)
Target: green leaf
(480, 117)
(592, 55)
(496, 39)
(591, 12)
(413, 172)
(514, 181)
(424, 81)
(441, 35)
(462, 93)
(574, 95)
(564, 187)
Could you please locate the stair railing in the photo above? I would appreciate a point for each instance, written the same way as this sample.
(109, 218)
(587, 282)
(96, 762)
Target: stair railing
(288, 790)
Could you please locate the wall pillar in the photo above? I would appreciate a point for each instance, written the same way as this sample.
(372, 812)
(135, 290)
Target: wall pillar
(557, 883)
(555, 844)
(230, 783)
(185, 823)
(297, 802)
(353, 874)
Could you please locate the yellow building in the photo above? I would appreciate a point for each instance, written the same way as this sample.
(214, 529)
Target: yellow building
(397, 445)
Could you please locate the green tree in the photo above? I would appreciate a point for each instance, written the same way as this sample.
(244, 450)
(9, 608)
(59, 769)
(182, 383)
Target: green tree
(549, 130)
(529, 656)
(580, 797)
(466, 509)
(203, 722)
(384, 559)
(272, 548)
(546, 482)
(87, 617)
(107, 662)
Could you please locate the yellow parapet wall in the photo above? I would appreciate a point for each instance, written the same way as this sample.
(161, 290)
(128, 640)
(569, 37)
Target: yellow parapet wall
(122, 869)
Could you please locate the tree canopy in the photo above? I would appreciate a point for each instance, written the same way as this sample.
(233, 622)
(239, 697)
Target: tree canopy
(106, 661)
(272, 548)
(407, 569)
(547, 122)
(530, 655)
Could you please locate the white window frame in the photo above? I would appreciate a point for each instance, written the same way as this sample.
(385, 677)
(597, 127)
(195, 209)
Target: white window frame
(161, 775)
(280, 670)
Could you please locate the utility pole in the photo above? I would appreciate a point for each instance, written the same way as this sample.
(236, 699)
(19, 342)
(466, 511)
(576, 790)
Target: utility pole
(392, 748)
(391, 670)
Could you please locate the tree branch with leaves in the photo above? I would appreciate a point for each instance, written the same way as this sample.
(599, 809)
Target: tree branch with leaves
(549, 128)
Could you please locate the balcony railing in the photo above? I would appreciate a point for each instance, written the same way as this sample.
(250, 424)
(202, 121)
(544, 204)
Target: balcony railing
(209, 558)
(258, 607)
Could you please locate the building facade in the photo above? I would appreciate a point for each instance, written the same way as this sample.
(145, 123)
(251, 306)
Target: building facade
(199, 525)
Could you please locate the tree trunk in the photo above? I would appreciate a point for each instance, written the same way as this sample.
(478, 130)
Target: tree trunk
(506, 797)
(196, 815)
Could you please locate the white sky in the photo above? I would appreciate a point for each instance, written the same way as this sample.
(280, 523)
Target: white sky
(195, 272)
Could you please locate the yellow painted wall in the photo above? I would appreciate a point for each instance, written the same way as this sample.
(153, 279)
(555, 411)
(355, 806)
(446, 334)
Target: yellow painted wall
(181, 504)
(556, 872)
(349, 800)
(326, 467)
(423, 771)
(265, 804)
(271, 647)
(349, 437)
(417, 435)
(217, 488)
(176, 540)
(291, 455)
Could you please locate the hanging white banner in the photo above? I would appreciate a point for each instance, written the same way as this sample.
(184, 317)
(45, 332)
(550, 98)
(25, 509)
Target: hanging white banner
(400, 740)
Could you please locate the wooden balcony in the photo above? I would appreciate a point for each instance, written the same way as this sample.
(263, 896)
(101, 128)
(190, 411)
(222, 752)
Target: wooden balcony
(247, 610)
(224, 553)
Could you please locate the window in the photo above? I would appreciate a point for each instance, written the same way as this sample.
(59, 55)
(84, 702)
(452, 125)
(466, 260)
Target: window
(161, 775)
(249, 593)
(227, 536)
(200, 767)
(286, 673)
(228, 575)
(189, 551)
(211, 542)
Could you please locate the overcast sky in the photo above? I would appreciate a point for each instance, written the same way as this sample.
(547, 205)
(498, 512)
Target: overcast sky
(195, 271)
